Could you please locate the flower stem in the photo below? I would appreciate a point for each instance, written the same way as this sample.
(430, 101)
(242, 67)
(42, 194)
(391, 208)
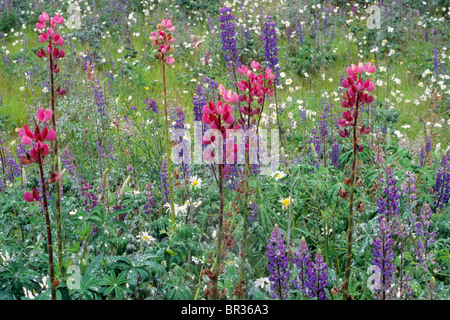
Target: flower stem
(169, 160)
(49, 230)
(350, 213)
(219, 239)
(55, 168)
(247, 175)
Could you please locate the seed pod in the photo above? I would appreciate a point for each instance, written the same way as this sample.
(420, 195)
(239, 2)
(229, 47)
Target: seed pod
(343, 193)
(360, 206)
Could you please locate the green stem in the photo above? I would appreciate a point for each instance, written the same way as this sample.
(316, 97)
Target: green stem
(59, 223)
(169, 149)
(3, 164)
(350, 214)
(247, 175)
(219, 240)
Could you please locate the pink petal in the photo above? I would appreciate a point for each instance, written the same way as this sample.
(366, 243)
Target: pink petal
(44, 151)
(43, 134)
(207, 109)
(35, 194)
(40, 114)
(59, 40)
(345, 84)
(28, 197)
(48, 115)
(170, 60)
(44, 16)
(206, 119)
(40, 25)
(28, 131)
(43, 37)
(51, 135)
(221, 89)
(343, 123)
(51, 32)
(345, 104)
(26, 139)
(234, 98)
(34, 154)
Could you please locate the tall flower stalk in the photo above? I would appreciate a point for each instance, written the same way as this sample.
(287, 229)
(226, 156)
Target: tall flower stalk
(302, 262)
(221, 121)
(353, 99)
(37, 154)
(53, 53)
(278, 265)
(271, 54)
(389, 205)
(2, 160)
(423, 236)
(318, 277)
(384, 259)
(162, 39)
(255, 87)
(442, 188)
(229, 41)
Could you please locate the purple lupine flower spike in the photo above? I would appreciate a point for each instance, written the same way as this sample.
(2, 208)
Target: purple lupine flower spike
(278, 265)
(228, 38)
(100, 99)
(271, 47)
(409, 186)
(318, 278)
(384, 260)
(12, 167)
(315, 141)
(388, 204)
(422, 157)
(442, 187)
(177, 137)
(149, 203)
(90, 199)
(303, 264)
(424, 238)
(198, 102)
(254, 210)
(335, 154)
(164, 178)
(70, 165)
(151, 104)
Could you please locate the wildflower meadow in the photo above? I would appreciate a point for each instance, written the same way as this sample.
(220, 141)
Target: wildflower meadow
(224, 150)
